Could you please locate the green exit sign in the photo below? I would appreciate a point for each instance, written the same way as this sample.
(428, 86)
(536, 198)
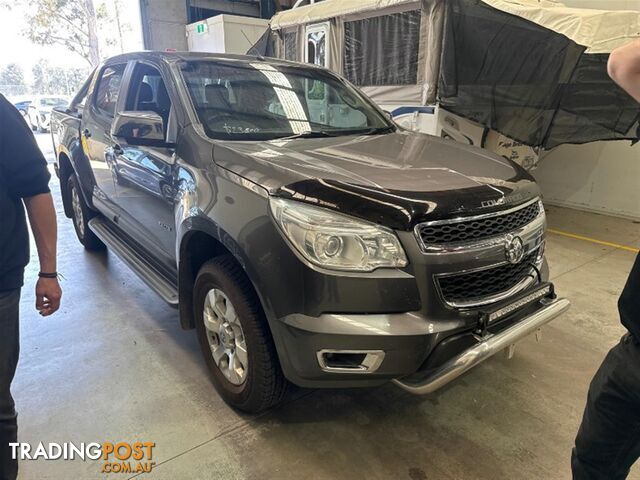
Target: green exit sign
(201, 28)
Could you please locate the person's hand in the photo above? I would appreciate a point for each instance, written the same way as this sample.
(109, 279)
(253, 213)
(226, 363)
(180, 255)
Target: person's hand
(48, 294)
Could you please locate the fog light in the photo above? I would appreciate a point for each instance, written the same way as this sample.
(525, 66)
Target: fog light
(350, 361)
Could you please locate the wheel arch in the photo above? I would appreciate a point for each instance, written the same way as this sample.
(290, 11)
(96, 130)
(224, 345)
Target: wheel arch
(201, 242)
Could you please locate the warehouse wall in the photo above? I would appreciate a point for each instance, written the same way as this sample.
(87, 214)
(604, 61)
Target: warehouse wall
(163, 24)
(164, 21)
(232, 7)
(603, 176)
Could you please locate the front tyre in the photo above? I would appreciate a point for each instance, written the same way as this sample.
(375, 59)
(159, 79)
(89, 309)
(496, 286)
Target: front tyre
(235, 337)
(80, 215)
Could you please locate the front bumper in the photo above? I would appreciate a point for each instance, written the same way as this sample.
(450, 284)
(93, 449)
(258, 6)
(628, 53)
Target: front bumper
(419, 354)
(486, 348)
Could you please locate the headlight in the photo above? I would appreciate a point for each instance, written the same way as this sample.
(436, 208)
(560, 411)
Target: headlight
(335, 241)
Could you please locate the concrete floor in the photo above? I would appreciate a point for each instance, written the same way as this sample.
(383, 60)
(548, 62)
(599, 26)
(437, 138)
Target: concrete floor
(114, 365)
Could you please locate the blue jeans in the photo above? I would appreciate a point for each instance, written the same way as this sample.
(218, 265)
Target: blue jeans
(9, 350)
(608, 442)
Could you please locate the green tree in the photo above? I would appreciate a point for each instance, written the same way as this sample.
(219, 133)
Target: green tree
(111, 25)
(12, 80)
(71, 23)
(55, 80)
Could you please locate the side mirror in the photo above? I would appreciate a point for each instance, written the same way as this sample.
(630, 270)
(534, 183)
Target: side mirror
(388, 114)
(139, 129)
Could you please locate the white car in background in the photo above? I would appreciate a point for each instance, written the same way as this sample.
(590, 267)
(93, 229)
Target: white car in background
(39, 112)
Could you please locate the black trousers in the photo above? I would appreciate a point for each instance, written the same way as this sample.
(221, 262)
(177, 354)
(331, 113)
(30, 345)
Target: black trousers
(9, 350)
(608, 442)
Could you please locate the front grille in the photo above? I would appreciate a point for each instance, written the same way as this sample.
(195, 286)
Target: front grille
(469, 287)
(467, 230)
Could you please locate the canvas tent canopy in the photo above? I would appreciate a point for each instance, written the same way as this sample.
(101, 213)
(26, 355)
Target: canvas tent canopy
(534, 70)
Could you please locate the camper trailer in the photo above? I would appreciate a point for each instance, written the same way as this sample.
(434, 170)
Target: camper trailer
(516, 77)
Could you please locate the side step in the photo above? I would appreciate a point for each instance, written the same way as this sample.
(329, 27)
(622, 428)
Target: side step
(134, 260)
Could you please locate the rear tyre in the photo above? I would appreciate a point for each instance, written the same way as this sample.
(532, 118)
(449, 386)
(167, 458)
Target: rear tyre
(235, 338)
(81, 214)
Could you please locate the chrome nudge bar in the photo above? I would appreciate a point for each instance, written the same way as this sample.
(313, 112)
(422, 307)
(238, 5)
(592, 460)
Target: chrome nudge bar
(486, 349)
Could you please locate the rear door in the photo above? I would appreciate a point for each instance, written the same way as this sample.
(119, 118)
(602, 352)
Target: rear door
(96, 134)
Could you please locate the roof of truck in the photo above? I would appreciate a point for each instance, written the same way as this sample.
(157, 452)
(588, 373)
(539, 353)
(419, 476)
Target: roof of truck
(186, 56)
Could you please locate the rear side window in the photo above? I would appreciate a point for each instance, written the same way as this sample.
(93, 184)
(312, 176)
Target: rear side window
(108, 89)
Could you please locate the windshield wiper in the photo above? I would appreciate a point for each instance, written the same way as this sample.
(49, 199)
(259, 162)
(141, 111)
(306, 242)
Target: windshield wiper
(308, 134)
(337, 133)
(379, 130)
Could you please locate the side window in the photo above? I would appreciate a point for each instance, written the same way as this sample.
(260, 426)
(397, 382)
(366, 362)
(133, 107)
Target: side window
(108, 89)
(80, 103)
(148, 92)
(80, 99)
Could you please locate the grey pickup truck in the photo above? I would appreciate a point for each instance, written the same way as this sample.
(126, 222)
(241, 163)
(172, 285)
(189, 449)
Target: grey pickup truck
(299, 231)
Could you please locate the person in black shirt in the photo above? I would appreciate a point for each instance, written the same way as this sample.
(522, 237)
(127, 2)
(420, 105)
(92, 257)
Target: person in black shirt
(608, 441)
(24, 180)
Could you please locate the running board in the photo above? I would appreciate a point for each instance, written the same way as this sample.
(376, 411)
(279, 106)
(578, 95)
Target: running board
(141, 266)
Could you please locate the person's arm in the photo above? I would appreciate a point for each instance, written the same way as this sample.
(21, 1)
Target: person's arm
(42, 217)
(25, 169)
(624, 68)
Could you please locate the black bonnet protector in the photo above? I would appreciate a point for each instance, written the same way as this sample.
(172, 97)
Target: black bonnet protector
(403, 210)
(396, 179)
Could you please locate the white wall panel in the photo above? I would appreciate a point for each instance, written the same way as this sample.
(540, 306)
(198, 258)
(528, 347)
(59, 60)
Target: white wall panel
(602, 177)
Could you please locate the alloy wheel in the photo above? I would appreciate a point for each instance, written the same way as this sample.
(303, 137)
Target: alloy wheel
(77, 211)
(225, 336)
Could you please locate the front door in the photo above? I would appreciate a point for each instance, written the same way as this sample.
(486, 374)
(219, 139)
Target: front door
(144, 176)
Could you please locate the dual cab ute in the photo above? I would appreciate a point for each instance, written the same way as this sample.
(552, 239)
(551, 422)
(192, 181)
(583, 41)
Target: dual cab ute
(304, 235)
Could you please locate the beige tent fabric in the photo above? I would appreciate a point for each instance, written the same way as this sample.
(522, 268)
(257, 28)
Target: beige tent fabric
(601, 31)
(431, 48)
(330, 9)
(394, 94)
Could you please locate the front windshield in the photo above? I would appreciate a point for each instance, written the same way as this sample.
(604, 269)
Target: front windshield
(53, 102)
(260, 101)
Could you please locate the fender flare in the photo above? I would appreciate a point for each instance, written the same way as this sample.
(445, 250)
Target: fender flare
(186, 277)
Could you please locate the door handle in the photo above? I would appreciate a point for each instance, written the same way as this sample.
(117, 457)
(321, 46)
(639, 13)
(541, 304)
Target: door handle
(86, 133)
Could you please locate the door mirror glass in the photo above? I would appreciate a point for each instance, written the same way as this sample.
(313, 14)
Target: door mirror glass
(139, 128)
